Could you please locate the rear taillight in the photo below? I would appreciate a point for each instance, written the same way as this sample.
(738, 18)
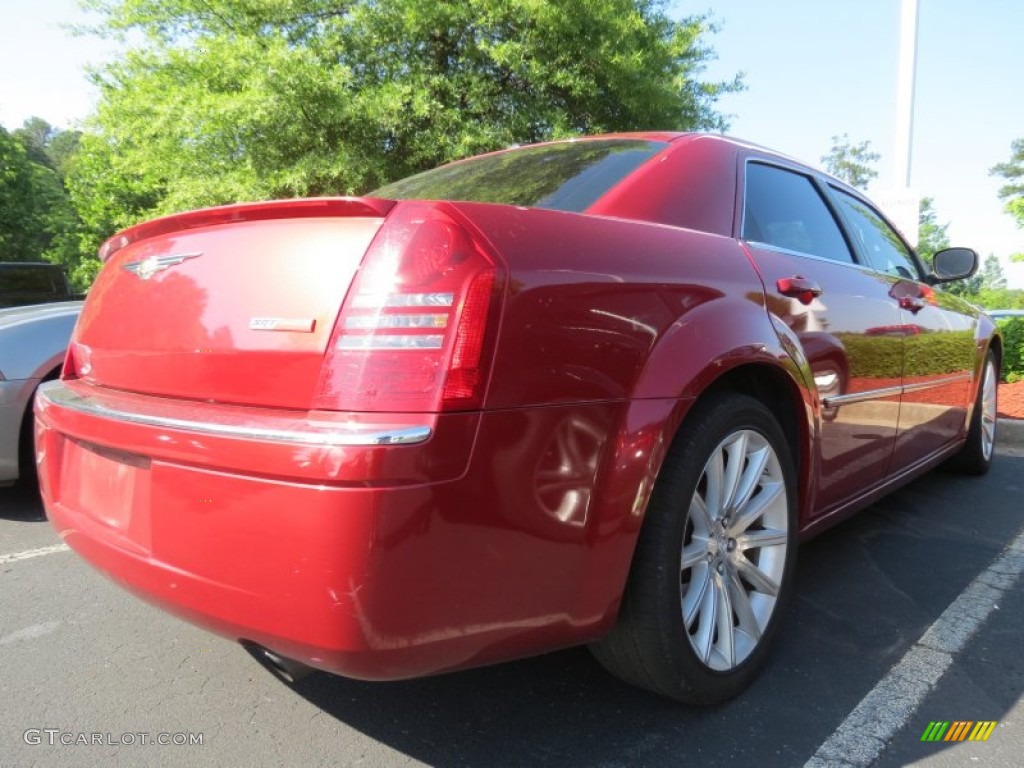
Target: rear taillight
(413, 332)
(75, 360)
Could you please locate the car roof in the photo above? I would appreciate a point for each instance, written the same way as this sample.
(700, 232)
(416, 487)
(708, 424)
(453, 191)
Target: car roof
(17, 315)
(678, 138)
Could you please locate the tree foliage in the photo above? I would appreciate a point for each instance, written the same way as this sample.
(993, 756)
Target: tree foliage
(48, 146)
(1013, 191)
(36, 216)
(250, 99)
(931, 236)
(992, 276)
(853, 163)
(988, 287)
(1012, 367)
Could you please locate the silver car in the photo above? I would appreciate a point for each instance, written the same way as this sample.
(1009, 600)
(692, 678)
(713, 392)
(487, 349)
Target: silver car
(1003, 314)
(33, 341)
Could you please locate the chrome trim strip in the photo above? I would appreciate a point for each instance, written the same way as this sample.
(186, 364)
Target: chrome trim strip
(875, 394)
(324, 433)
(935, 382)
(858, 397)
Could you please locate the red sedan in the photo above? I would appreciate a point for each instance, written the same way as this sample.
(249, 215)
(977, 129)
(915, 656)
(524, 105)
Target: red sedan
(590, 391)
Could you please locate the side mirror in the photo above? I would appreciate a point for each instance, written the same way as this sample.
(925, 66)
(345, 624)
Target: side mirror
(954, 264)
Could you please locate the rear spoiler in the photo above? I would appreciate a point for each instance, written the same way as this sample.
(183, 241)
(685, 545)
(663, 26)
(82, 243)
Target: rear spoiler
(224, 214)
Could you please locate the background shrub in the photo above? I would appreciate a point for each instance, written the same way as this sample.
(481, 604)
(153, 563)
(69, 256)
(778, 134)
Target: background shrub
(1013, 348)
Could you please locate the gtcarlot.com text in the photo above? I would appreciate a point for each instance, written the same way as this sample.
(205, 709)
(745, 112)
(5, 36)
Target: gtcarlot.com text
(56, 737)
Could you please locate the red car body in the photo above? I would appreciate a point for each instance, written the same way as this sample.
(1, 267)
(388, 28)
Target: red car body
(235, 440)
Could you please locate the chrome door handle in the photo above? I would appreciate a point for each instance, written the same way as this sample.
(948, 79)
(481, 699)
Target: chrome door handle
(800, 288)
(911, 304)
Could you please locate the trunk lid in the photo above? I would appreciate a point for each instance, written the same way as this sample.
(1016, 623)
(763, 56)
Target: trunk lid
(234, 304)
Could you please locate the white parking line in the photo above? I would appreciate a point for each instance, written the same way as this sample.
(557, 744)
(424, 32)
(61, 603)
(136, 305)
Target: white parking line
(880, 715)
(30, 553)
(30, 633)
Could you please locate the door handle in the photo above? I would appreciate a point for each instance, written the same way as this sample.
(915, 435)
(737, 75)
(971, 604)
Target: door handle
(911, 304)
(800, 288)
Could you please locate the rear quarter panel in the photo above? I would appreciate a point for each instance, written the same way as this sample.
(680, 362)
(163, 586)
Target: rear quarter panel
(606, 309)
(622, 325)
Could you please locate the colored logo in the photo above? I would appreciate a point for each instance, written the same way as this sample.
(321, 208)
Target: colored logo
(958, 730)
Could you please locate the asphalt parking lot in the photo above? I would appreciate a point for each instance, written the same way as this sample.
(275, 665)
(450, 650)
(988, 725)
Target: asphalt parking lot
(82, 657)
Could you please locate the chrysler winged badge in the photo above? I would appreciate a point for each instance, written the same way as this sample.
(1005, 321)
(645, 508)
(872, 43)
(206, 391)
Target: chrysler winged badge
(146, 268)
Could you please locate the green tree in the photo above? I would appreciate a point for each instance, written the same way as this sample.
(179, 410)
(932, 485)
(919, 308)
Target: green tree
(1001, 298)
(851, 162)
(1013, 191)
(969, 289)
(221, 100)
(931, 236)
(987, 287)
(106, 197)
(62, 150)
(992, 276)
(35, 212)
(49, 146)
(35, 135)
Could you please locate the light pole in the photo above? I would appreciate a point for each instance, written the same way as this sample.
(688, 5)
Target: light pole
(905, 91)
(902, 202)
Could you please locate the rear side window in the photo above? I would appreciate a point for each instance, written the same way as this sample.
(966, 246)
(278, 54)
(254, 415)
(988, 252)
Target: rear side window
(566, 176)
(784, 209)
(29, 280)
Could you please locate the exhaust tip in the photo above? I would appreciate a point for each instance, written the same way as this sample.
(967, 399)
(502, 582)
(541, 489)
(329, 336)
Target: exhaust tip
(284, 669)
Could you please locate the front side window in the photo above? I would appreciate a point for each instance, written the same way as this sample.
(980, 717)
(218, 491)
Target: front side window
(564, 176)
(784, 209)
(878, 241)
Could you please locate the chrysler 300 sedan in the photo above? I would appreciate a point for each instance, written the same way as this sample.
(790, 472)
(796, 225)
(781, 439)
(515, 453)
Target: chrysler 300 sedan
(589, 391)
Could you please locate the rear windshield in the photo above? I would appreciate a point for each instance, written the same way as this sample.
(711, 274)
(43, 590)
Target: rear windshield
(30, 279)
(567, 176)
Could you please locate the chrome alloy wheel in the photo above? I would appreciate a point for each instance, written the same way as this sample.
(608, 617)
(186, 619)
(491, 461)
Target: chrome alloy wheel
(734, 550)
(989, 409)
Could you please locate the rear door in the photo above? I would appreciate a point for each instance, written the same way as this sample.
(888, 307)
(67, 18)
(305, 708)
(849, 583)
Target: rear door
(937, 330)
(842, 315)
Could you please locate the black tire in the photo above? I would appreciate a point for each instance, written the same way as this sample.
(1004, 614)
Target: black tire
(651, 644)
(975, 457)
(26, 449)
(27, 474)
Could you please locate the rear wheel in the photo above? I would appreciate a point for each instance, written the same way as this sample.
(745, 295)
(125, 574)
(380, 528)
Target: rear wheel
(26, 448)
(714, 563)
(975, 458)
(27, 474)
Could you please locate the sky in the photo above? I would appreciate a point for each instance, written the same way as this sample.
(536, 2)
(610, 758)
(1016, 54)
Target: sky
(813, 69)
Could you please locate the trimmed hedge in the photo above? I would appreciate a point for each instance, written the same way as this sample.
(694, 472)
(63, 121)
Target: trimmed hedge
(927, 353)
(1012, 329)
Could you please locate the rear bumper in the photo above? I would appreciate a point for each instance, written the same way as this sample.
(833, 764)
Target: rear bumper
(238, 423)
(377, 561)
